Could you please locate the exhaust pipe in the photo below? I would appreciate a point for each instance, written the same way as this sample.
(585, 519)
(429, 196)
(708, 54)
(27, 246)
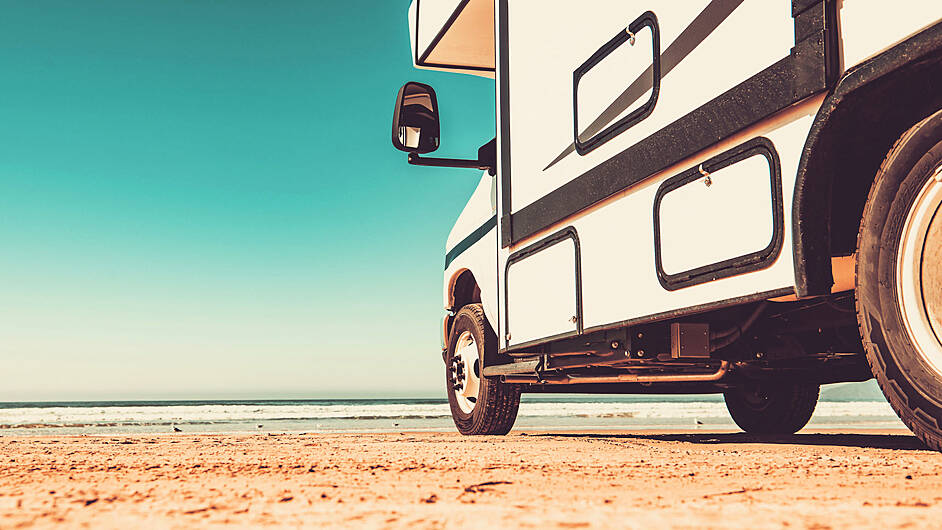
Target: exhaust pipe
(563, 379)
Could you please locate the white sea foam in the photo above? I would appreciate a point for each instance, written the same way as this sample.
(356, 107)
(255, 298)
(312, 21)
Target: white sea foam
(656, 412)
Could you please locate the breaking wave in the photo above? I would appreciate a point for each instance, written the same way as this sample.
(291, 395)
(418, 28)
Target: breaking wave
(351, 414)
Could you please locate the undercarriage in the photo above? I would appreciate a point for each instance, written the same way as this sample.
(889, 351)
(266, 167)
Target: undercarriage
(809, 342)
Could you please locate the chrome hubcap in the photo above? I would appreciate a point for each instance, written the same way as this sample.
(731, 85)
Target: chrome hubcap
(919, 273)
(464, 374)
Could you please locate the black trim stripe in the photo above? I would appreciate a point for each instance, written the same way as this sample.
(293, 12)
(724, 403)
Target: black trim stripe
(472, 238)
(693, 310)
(503, 114)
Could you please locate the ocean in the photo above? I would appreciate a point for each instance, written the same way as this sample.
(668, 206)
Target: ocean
(855, 405)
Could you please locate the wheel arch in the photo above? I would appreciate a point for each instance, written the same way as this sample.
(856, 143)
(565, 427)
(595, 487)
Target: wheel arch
(851, 134)
(462, 290)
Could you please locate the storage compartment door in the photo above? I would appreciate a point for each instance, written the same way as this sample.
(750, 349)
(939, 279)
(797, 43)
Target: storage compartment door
(721, 218)
(542, 298)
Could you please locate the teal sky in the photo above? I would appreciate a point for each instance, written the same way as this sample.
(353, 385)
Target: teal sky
(200, 199)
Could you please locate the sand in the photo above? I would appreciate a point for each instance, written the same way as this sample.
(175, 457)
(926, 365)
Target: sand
(439, 480)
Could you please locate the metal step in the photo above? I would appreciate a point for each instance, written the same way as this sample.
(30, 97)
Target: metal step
(522, 367)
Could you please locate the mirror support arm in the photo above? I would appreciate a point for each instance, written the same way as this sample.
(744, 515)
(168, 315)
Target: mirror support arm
(417, 160)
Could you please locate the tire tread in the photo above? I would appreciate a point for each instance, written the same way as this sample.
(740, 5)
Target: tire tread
(891, 389)
(498, 403)
(791, 407)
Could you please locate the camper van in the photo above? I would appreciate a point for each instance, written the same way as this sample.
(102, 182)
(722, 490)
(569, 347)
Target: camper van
(710, 196)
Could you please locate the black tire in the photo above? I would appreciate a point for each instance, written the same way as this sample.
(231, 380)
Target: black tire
(495, 409)
(912, 387)
(772, 407)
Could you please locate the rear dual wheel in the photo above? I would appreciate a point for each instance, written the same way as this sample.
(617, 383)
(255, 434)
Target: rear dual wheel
(772, 407)
(478, 405)
(899, 279)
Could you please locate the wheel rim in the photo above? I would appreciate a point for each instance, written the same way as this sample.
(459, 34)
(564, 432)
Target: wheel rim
(919, 275)
(464, 374)
(755, 398)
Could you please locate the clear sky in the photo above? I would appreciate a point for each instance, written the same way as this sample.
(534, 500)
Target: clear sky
(199, 199)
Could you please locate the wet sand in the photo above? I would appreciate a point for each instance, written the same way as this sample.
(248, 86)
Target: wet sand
(438, 480)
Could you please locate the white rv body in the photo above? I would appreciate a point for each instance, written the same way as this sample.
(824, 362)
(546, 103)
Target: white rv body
(479, 258)
(668, 176)
(616, 235)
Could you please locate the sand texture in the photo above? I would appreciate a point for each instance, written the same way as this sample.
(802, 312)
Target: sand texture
(442, 480)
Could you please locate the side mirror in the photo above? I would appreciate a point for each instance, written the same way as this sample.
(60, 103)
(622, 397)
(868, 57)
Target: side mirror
(415, 127)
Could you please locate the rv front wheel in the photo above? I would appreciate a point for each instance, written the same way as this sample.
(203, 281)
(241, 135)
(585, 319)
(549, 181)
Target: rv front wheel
(478, 405)
(899, 279)
(772, 407)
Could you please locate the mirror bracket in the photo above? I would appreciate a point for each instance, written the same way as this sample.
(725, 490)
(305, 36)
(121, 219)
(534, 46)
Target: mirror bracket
(417, 160)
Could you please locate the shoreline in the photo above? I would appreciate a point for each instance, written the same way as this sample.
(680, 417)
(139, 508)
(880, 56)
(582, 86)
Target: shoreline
(528, 431)
(881, 428)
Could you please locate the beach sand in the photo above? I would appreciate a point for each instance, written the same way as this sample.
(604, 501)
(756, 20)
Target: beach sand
(436, 480)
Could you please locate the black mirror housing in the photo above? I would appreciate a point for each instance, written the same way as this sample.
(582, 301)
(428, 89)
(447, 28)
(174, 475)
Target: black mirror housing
(415, 126)
(416, 130)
